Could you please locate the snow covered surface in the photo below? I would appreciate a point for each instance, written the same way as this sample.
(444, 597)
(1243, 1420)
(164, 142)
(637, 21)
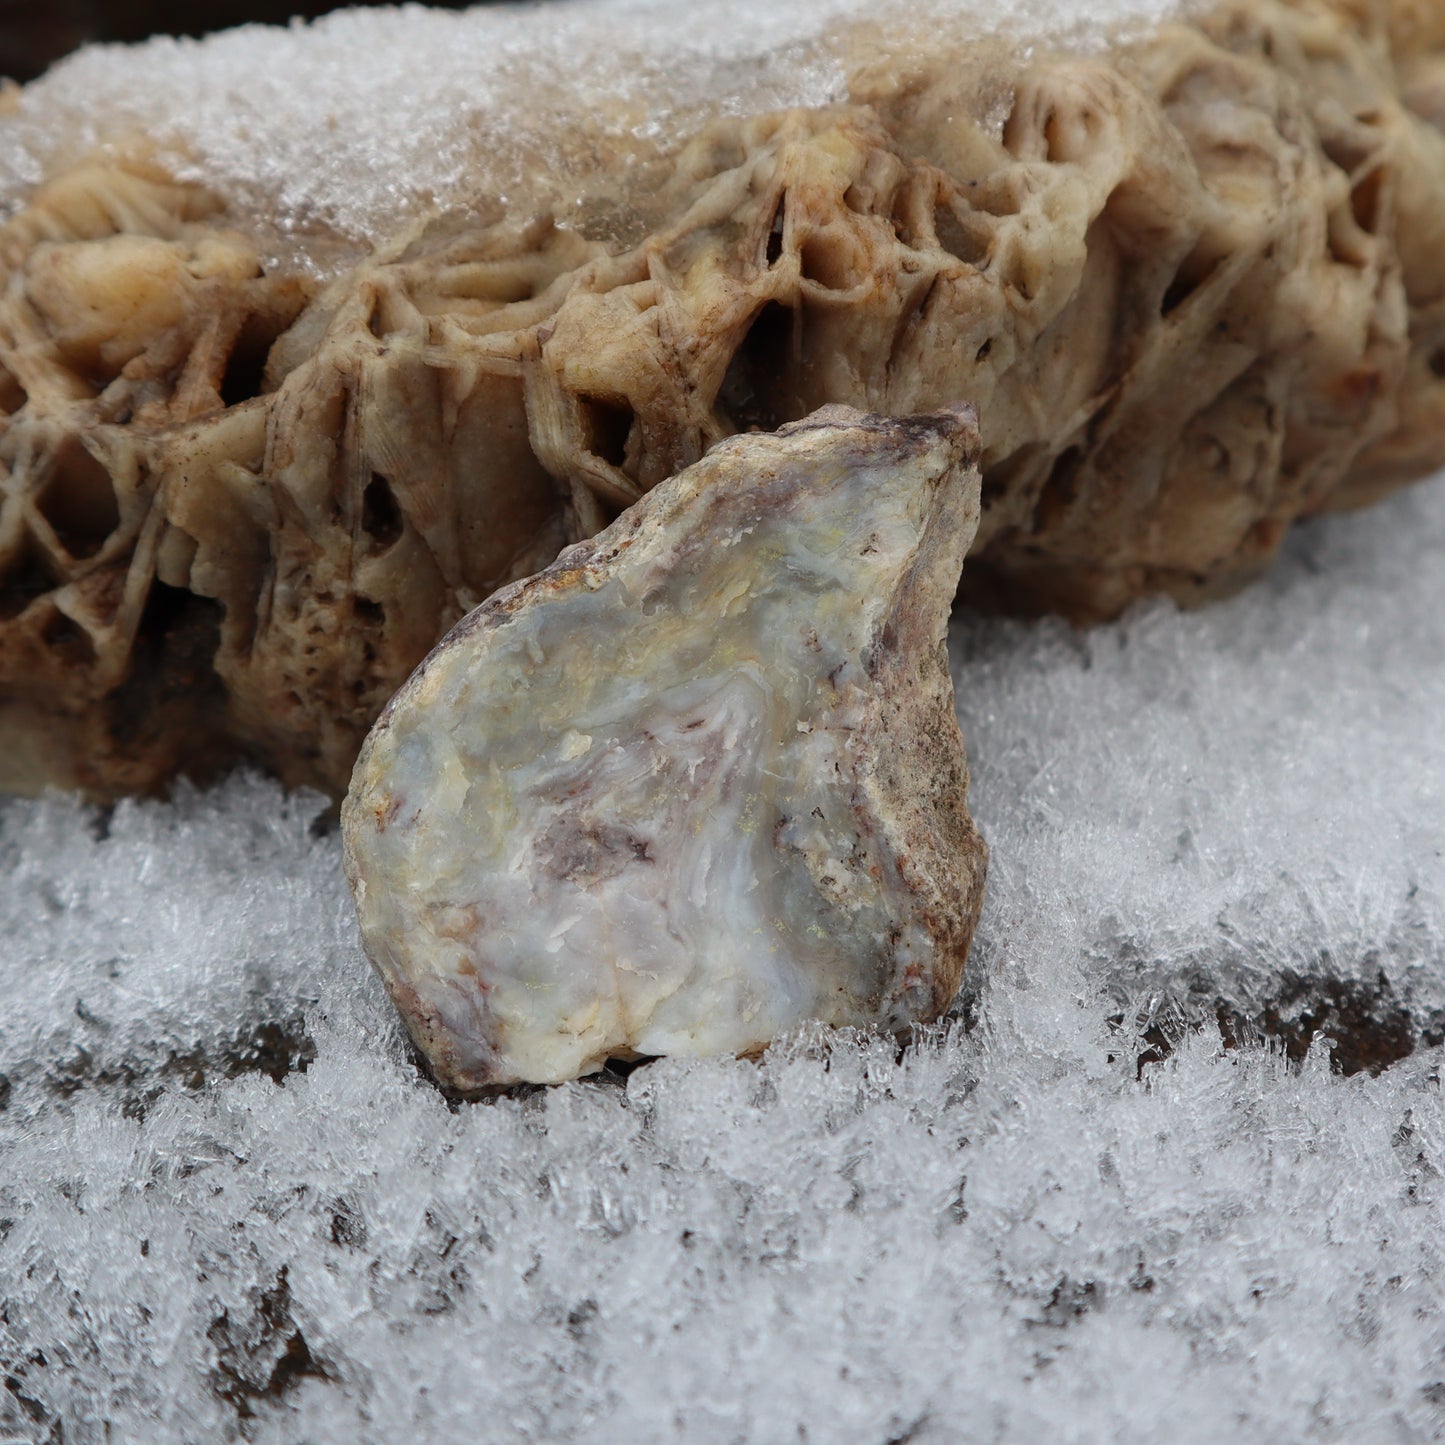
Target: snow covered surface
(231, 1207)
(353, 121)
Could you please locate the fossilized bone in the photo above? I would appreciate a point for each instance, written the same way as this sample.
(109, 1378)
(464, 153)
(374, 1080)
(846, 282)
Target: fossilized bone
(1195, 286)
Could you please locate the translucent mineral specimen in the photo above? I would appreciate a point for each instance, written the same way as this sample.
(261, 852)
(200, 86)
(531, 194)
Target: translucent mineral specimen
(698, 781)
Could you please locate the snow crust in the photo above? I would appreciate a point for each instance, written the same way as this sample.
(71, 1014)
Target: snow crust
(1035, 1228)
(355, 120)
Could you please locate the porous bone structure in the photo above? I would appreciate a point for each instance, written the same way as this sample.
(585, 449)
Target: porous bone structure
(1194, 282)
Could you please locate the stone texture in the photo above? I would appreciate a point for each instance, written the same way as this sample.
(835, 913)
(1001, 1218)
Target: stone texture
(699, 781)
(1195, 286)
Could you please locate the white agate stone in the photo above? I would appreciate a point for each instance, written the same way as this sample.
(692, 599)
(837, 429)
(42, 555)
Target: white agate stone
(699, 781)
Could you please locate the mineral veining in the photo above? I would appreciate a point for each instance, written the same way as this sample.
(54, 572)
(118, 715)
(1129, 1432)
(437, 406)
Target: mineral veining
(1195, 285)
(698, 781)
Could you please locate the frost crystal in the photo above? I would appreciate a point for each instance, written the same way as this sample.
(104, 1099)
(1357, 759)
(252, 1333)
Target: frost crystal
(231, 1206)
(356, 119)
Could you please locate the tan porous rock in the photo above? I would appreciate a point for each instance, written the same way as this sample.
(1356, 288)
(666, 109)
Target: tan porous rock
(699, 781)
(256, 461)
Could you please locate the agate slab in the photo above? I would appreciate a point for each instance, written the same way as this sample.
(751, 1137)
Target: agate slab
(699, 781)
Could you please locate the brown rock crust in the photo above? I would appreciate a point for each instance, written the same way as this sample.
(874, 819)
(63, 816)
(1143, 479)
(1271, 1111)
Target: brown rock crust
(1195, 286)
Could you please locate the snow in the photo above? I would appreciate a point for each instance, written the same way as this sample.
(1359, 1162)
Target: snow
(231, 1206)
(354, 121)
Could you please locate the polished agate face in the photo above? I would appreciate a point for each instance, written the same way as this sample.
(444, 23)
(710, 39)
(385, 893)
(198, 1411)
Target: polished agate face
(698, 782)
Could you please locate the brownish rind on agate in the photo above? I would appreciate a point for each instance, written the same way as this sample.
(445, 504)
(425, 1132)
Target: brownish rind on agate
(1195, 286)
